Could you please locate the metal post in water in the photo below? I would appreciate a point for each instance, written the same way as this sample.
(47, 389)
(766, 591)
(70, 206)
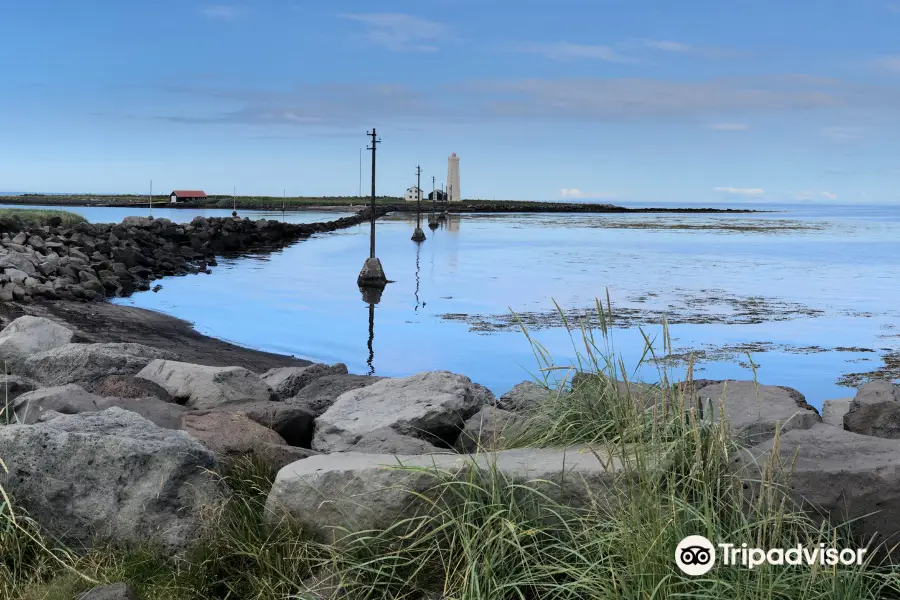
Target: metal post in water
(418, 235)
(372, 273)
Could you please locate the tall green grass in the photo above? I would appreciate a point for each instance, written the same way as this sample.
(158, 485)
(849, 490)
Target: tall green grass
(39, 218)
(486, 537)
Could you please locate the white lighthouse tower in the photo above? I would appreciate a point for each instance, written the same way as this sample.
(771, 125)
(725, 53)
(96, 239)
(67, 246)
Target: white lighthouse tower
(453, 194)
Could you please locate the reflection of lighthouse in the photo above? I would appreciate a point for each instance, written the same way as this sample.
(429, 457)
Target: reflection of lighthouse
(453, 178)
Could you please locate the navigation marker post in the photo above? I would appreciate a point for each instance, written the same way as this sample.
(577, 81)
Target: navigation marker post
(418, 235)
(372, 273)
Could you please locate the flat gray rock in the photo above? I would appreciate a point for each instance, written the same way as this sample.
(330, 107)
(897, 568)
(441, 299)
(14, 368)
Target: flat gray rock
(433, 405)
(840, 475)
(388, 441)
(29, 335)
(525, 397)
(875, 410)
(357, 492)
(65, 399)
(71, 399)
(78, 363)
(110, 476)
(755, 411)
(203, 387)
(288, 381)
(833, 411)
(318, 396)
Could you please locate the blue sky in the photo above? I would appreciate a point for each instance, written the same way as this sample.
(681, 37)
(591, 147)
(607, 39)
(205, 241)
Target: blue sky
(698, 101)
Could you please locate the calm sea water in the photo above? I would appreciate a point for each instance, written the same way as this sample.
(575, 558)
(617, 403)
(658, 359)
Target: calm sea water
(809, 291)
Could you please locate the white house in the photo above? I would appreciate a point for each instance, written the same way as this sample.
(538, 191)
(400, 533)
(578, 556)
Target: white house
(413, 194)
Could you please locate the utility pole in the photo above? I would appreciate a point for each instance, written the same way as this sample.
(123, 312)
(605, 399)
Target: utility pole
(418, 235)
(442, 216)
(283, 200)
(432, 220)
(360, 173)
(372, 273)
(151, 197)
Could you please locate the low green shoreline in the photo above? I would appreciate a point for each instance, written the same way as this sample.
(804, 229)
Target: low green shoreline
(339, 202)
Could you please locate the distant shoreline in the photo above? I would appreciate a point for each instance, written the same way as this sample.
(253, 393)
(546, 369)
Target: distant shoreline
(268, 203)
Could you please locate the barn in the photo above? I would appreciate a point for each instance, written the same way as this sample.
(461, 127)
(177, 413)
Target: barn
(186, 195)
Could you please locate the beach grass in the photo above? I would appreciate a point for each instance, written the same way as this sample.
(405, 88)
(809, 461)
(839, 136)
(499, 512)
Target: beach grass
(485, 537)
(39, 218)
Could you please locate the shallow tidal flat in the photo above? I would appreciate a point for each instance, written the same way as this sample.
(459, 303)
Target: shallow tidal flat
(806, 292)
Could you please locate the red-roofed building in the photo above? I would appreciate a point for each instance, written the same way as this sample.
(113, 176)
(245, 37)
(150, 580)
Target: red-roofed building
(186, 195)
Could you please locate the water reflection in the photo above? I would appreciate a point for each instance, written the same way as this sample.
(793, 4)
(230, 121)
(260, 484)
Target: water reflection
(371, 296)
(418, 278)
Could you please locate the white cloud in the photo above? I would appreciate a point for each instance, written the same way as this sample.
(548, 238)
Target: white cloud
(576, 193)
(568, 51)
(810, 194)
(221, 12)
(741, 191)
(842, 133)
(400, 32)
(730, 126)
(889, 63)
(667, 46)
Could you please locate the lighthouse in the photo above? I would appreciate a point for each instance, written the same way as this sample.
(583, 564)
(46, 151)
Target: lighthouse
(453, 194)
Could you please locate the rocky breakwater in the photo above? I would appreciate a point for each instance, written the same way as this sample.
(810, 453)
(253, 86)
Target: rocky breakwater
(119, 443)
(95, 261)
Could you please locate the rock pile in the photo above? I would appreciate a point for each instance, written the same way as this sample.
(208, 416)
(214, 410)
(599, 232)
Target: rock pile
(94, 261)
(117, 442)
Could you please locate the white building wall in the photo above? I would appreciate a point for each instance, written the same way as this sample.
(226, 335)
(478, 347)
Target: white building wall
(453, 178)
(410, 195)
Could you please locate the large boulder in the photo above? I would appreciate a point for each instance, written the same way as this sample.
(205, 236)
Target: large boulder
(110, 476)
(388, 441)
(838, 474)
(72, 399)
(755, 411)
(66, 399)
(487, 429)
(524, 397)
(202, 387)
(875, 410)
(78, 363)
(833, 411)
(352, 491)
(433, 406)
(30, 335)
(127, 386)
(293, 423)
(229, 435)
(288, 381)
(318, 396)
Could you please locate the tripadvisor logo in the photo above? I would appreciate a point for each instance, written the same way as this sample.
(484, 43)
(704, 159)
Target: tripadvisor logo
(695, 555)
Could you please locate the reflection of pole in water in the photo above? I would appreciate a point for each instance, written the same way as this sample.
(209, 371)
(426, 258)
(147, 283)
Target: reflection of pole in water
(371, 338)
(417, 277)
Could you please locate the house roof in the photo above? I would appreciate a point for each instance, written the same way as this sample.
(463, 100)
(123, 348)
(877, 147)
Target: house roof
(190, 193)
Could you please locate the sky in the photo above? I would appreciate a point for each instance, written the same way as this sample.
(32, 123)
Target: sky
(697, 101)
